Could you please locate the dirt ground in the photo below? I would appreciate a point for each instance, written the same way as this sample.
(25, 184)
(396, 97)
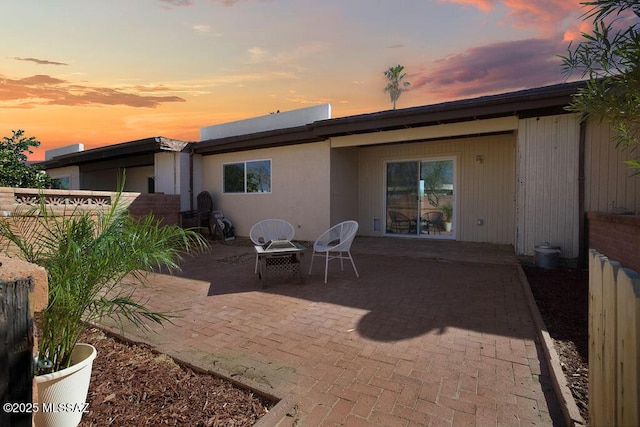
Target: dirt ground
(132, 385)
(562, 296)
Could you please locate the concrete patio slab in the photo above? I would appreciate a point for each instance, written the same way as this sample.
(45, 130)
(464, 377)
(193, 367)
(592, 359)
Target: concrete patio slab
(431, 333)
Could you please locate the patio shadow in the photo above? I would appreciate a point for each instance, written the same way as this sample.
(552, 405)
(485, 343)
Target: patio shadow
(397, 297)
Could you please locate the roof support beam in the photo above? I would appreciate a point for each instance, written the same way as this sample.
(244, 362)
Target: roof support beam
(474, 127)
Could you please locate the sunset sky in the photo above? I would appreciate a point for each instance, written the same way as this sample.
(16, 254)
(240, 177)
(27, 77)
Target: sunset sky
(105, 72)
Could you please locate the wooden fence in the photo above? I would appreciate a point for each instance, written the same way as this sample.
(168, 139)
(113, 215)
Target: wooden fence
(614, 343)
(16, 350)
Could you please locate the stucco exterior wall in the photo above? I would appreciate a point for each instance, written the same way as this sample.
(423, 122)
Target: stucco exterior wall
(136, 179)
(547, 197)
(344, 184)
(172, 175)
(72, 173)
(300, 191)
(484, 190)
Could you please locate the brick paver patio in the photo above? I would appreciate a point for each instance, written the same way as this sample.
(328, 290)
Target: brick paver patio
(432, 333)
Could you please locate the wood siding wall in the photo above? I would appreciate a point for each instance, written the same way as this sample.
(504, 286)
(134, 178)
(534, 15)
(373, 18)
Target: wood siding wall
(484, 190)
(609, 186)
(547, 196)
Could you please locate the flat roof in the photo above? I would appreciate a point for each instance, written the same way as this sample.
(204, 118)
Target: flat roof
(524, 103)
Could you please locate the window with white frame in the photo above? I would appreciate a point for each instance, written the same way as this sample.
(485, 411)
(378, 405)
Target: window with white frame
(247, 177)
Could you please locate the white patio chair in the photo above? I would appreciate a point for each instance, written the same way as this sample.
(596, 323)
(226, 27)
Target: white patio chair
(270, 229)
(335, 243)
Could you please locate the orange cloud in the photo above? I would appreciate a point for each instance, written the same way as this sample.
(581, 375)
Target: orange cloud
(38, 90)
(575, 31)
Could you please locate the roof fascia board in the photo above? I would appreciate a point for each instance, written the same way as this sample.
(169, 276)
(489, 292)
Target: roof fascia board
(117, 151)
(494, 106)
(472, 127)
(137, 160)
(290, 136)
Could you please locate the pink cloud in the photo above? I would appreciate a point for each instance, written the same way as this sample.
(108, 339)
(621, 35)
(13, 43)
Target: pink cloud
(493, 68)
(549, 16)
(30, 92)
(483, 5)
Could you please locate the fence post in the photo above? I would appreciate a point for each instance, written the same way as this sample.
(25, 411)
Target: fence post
(16, 350)
(596, 342)
(628, 395)
(23, 291)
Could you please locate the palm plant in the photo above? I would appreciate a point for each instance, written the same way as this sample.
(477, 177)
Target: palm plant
(447, 212)
(94, 260)
(395, 84)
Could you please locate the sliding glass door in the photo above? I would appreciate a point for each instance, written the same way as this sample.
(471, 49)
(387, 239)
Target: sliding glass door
(420, 197)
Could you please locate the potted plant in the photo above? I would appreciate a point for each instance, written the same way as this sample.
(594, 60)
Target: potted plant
(88, 254)
(447, 212)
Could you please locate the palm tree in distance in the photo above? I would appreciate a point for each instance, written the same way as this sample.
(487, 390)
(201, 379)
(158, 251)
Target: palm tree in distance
(395, 85)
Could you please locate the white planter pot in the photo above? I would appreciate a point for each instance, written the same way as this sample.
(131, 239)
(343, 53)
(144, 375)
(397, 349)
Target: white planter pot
(62, 395)
(447, 227)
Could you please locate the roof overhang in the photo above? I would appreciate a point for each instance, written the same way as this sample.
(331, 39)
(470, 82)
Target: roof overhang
(268, 139)
(117, 151)
(422, 133)
(487, 114)
(526, 103)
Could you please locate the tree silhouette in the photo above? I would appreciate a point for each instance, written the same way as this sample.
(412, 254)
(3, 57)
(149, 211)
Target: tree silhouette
(395, 84)
(610, 57)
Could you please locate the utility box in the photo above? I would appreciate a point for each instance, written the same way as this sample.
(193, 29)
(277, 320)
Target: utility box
(547, 256)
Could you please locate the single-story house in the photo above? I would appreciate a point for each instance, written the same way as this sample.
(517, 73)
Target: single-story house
(513, 168)
(150, 165)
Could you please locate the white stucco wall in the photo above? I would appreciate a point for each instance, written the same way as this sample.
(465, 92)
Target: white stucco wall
(280, 120)
(72, 173)
(172, 175)
(136, 179)
(300, 189)
(344, 185)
